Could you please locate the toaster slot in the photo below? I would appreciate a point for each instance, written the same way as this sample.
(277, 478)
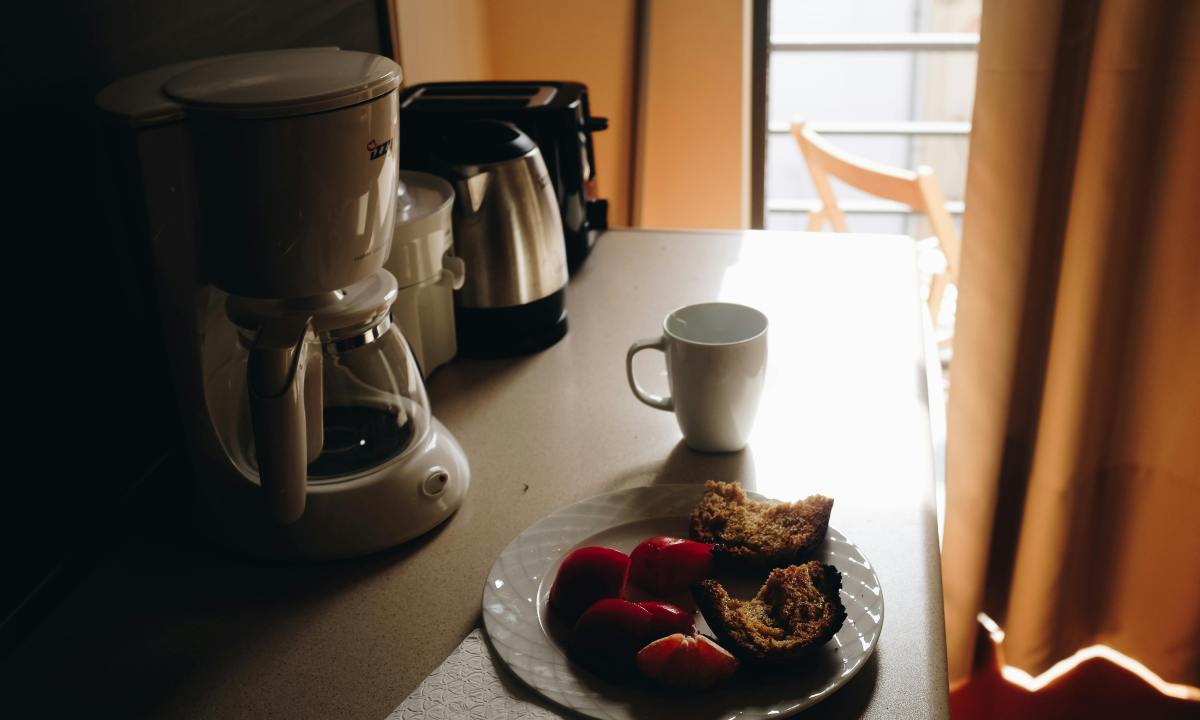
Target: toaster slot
(484, 95)
(457, 90)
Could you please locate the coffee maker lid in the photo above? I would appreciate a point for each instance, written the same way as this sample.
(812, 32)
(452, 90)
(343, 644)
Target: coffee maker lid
(284, 83)
(139, 101)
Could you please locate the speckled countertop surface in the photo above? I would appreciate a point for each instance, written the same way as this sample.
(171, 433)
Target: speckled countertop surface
(173, 628)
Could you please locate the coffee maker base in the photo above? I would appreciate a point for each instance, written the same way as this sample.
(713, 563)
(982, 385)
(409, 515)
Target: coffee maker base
(389, 506)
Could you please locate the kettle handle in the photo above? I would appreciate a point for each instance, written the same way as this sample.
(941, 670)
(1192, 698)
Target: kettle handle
(275, 376)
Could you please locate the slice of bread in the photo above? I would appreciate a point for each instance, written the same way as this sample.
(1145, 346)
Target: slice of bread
(755, 534)
(797, 610)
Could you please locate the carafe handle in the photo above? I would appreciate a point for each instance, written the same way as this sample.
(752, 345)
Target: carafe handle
(275, 379)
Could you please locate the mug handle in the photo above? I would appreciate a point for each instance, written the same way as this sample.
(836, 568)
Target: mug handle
(655, 401)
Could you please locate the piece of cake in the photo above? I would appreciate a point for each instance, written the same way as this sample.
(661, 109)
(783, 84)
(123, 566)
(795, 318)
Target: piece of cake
(797, 610)
(758, 534)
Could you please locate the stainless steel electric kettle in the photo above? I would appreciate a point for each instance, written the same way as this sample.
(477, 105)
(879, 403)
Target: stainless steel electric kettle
(508, 233)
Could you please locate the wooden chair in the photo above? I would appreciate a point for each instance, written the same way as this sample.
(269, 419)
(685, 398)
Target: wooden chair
(919, 190)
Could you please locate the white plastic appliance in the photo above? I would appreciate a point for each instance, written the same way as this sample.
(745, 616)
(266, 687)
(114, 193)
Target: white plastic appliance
(425, 267)
(265, 185)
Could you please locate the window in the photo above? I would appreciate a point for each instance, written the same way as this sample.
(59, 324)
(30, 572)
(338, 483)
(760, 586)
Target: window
(892, 81)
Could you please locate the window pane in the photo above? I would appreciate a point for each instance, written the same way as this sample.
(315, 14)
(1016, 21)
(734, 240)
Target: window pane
(875, 223)
(945, 88)
(919, 226)
(944, 15)
(948, 158)
(861, 87)
(787, 175)
(864, 87)
(802, 17)
(842, 16)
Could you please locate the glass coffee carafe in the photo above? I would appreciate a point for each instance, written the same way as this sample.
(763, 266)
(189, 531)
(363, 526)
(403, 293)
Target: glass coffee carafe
(314, 390)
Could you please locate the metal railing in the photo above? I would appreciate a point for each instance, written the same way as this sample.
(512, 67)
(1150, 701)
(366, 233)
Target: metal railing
(891, 42)
(854, 206)
(919, 127)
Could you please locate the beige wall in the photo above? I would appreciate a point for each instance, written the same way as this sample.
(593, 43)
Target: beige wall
(693, 143)
(694, 154)
(441, 40)
(583, 40)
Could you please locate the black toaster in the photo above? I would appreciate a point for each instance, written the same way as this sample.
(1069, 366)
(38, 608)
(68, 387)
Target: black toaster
(553, 114)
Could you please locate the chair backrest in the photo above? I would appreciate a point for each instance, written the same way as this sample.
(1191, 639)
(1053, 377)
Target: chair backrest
(919, 190)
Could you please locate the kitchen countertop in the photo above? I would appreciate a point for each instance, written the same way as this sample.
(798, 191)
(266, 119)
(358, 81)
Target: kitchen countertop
(171, 627)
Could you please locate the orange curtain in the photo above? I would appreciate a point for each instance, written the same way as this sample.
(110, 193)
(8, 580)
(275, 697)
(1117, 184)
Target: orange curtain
(1073, 481)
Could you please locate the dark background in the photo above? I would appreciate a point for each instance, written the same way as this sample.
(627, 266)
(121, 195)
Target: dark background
(97, 441)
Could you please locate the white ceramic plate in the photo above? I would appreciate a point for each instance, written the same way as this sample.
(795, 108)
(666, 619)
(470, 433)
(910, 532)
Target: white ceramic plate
(531, 642)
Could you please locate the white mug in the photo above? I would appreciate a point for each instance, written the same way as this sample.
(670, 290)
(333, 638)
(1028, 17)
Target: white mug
(716, 357)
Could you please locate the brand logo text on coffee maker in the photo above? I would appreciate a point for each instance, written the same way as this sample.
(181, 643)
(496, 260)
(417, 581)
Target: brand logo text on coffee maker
(378, 150)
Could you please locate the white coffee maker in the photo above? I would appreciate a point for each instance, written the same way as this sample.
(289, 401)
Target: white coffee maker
(266, 187)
